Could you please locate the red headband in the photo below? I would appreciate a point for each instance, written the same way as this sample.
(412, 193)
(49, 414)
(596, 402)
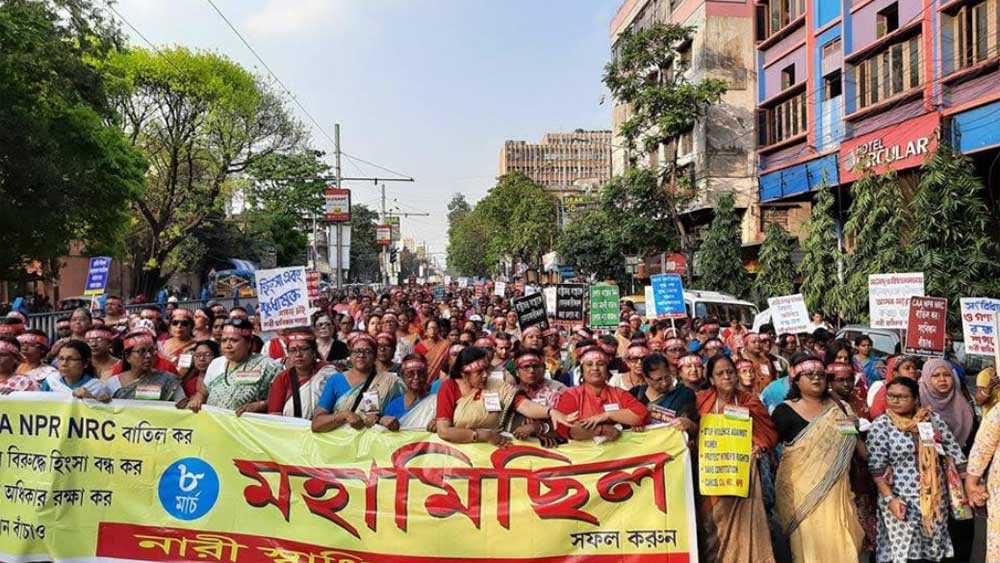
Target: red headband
(456, 349)
(419, 365)
(532, 330)
(750, 335)
(485, 342)
(809, 365)
(363, 337)
(182, 313)
(478, 365)
(582, 333)
(385, 336)
(8, 348)
(29, 338)
(593, 354)
(689, 360)
(524, 359)
(99, 333)
(11, 329)
(840, 368)
(640, 349)
(230, 330)
(673, 341)
(744, 364)
(300, 337)
(138, 340)
(154, 312)
(655, 345)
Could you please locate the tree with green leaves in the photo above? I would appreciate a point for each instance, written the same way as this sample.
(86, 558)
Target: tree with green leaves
(468, 240)
(776, 276)
(648, 74)
(951, 241)
(720, 266)
(200, 119)
(66, 175)
(875, 227)
(624, 218)
(520, 219)
(364, 245)
(822, 259)
(458, 207)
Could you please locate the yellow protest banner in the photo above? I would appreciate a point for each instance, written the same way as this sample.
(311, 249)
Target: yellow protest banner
(724, 452)
(132, 480)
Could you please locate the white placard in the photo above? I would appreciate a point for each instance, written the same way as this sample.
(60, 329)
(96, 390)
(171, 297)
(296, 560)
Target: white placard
(447, 280)
(789, 314)
(463, 282)
(500, 289)
(889, 298)
(761, 319)
(550, 300)
(977, 324)
(650, 302)
(283, 300)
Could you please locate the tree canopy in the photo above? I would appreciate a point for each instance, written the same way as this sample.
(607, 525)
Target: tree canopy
(720, 267)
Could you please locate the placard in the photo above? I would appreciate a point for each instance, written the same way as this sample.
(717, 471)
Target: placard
(789, 314)
(650, 302)
(550, 300)
(605, 306)
(668, 294)
(500, 289)
(977, 324)
(761, 319)
(889, 298)
(725, 447)
(570, 298)
(925, 329)
(337, 205)
(383, 234)
(283, 300)
(530, 311)
(97, 275)
(312, 285)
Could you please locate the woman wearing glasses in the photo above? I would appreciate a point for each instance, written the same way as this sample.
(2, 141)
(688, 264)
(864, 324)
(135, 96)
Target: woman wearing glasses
(139, 380)
(627, 380)
(180, 345)
(296, 390)
(76, 374)
(814, 503)
(204, 352)
(415, 409)
(359, 396)
(329, 347)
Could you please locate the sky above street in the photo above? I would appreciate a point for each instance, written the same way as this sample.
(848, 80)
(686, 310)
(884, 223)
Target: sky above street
(430, 88)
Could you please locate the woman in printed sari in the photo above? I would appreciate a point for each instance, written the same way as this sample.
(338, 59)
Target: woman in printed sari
(604, 410)
(415, 409)
(138, 380)
(734, 529)
(815, 505)
(10, 357)
(296, 390)
(433, 347)
(358, 396)
(181, 341)
(531, 380)
(472, 407)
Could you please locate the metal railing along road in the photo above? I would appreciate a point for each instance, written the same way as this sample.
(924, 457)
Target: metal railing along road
(47, 321)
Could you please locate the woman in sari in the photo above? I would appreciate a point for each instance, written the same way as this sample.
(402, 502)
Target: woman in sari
(667, 400)
(692, 372)
(433, 347)
(385, 351)
(531, 380)
(138, 380)
(204, 352)
(297, 389)
(871, 366)
(100, 339)
(329, 347)
(34, 346)
(735, 529)
(76, 374)
(415, 409)
(471, 407)
(204, 318)
(358, 396)
(815, 506)
(985, 450)
(603, 409)
(913, 507)
(181, 343)
(636, 353)
(747, 372)
(10, 357)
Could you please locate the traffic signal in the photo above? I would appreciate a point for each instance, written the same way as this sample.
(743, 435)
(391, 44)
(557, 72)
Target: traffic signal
(392, 255)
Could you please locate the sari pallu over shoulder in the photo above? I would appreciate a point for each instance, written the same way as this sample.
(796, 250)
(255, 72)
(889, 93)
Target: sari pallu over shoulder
(814, 505)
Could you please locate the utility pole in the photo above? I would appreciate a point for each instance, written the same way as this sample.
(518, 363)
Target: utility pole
(338, 226)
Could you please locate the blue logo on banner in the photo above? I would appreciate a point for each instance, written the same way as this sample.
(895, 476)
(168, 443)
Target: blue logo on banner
(668, 293)
(189, 488)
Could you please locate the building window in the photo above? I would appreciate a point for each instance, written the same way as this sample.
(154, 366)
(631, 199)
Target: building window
(783, 12)
(974, 33)
(784, 120)
(831, 48)
(887, 20)
(895, 70)
(832, 85)
(776, 215)
(788, 76)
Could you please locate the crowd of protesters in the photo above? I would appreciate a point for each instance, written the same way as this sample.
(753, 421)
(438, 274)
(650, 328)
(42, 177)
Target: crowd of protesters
(855, 457)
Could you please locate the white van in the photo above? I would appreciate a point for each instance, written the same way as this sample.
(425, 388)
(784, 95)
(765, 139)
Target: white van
(703, 304)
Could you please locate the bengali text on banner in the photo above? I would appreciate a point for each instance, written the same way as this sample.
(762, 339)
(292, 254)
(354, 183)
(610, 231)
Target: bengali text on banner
(124, 481)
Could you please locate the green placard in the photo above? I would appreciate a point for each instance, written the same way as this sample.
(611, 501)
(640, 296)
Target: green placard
(604, 306)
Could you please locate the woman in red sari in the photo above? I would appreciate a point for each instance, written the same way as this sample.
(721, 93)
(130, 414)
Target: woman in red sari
(734, 529)
(434, 347)
(603, 409)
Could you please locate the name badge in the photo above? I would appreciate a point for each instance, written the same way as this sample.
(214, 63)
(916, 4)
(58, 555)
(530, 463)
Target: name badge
(184, 361)
(496, 374)
(846, 427)
(492, 402)
(148, 392)
(661, 414)
(369, 402)
(926, 430)
(736, 412)
(540, 401)
(612, 407)
(245, 377)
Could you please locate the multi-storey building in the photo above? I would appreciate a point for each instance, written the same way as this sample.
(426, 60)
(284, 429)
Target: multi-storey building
(560, 160)
(850, 85)
(718, 154)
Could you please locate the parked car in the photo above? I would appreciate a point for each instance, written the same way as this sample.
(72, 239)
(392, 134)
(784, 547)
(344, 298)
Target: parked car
(885, 341)
(77, 301)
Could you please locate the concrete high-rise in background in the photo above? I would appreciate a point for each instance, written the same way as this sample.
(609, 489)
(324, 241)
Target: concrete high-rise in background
(560, 160)
(718, 154)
